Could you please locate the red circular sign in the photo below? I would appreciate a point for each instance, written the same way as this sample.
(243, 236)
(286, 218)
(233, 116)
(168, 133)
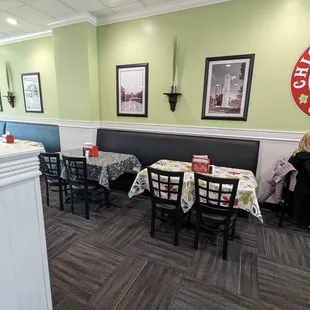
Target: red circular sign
(300, 82)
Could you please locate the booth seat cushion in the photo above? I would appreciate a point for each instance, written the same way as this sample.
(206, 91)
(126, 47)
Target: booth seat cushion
(151, 147)
(46, 134)
(2, 128)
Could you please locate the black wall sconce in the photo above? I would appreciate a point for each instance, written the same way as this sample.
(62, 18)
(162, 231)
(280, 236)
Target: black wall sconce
(10, 98)
(173, 99)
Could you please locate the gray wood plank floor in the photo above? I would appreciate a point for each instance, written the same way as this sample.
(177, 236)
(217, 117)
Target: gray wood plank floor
(111, 262)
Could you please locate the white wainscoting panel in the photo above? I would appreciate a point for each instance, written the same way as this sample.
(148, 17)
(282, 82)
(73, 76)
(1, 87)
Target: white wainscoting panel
(75, 137)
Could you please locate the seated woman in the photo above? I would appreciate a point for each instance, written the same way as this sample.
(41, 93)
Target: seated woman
(300, 159)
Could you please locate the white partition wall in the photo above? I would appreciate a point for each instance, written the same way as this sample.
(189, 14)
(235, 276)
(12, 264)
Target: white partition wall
(24, 275)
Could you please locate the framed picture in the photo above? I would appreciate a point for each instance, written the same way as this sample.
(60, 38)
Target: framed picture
(1, 107)
(32, 92)
(132, 89)
(227, 87)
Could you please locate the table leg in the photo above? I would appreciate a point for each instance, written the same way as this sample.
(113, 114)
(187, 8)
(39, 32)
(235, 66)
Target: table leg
(236, 236)
(107, 199)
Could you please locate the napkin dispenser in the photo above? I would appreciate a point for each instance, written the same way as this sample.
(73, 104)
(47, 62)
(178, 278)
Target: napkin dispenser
(8, 138)
(94, 151)
(201, 163)
(90, 150)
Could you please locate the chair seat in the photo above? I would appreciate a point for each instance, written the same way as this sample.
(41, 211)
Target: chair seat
(216, 217)
(53, 181)
(165, 206)
(214, 221)
(91, 186)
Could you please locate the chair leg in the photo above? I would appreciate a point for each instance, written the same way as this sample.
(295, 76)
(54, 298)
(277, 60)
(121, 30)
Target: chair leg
(60, 196)
(282, 215)
(177, 227)
(189, 219)
(225, 241)
(66, 191)
(233, 230)
(47, 194)
(86, 204)
(153, 220)
(71, 194)
(198, 223)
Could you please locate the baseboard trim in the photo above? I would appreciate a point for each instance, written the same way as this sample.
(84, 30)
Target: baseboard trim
(231, 133)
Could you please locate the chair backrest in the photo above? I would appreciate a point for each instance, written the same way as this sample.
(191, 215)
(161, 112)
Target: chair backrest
(50, 164)
(215, 195)
(165, 186)
(76, 169)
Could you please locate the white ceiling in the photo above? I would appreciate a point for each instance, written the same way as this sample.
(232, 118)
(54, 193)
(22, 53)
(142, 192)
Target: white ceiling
(35, 15)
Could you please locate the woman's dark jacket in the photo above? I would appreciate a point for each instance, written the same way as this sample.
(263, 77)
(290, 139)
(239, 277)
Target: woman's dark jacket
(301, 196)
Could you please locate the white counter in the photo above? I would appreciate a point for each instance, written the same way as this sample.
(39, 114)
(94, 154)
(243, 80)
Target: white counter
(24, 275)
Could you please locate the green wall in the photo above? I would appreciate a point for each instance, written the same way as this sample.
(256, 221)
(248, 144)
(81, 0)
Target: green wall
(76, 64)
(277, 31)
(24, 57)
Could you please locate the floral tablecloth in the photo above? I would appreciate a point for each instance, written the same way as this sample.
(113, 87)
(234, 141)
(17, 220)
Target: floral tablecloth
(246, 194)
(107, 166)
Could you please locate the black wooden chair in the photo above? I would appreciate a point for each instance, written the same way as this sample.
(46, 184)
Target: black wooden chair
(80, 187)
(165, 192)
(287, 196)
(214, 213)
(50, 167)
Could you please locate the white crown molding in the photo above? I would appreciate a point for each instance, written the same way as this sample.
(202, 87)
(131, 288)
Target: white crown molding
(156, 10)
(74, 19)
(233, 133)
(25, 37)
(116, 18)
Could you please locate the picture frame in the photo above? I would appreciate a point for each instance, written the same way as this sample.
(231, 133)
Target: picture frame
(132, 90)
(1, 106)
(31, 83)
(227, 87)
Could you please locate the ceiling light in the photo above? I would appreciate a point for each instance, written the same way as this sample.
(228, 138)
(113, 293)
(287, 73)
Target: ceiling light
(227, 65)
(12, 21)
